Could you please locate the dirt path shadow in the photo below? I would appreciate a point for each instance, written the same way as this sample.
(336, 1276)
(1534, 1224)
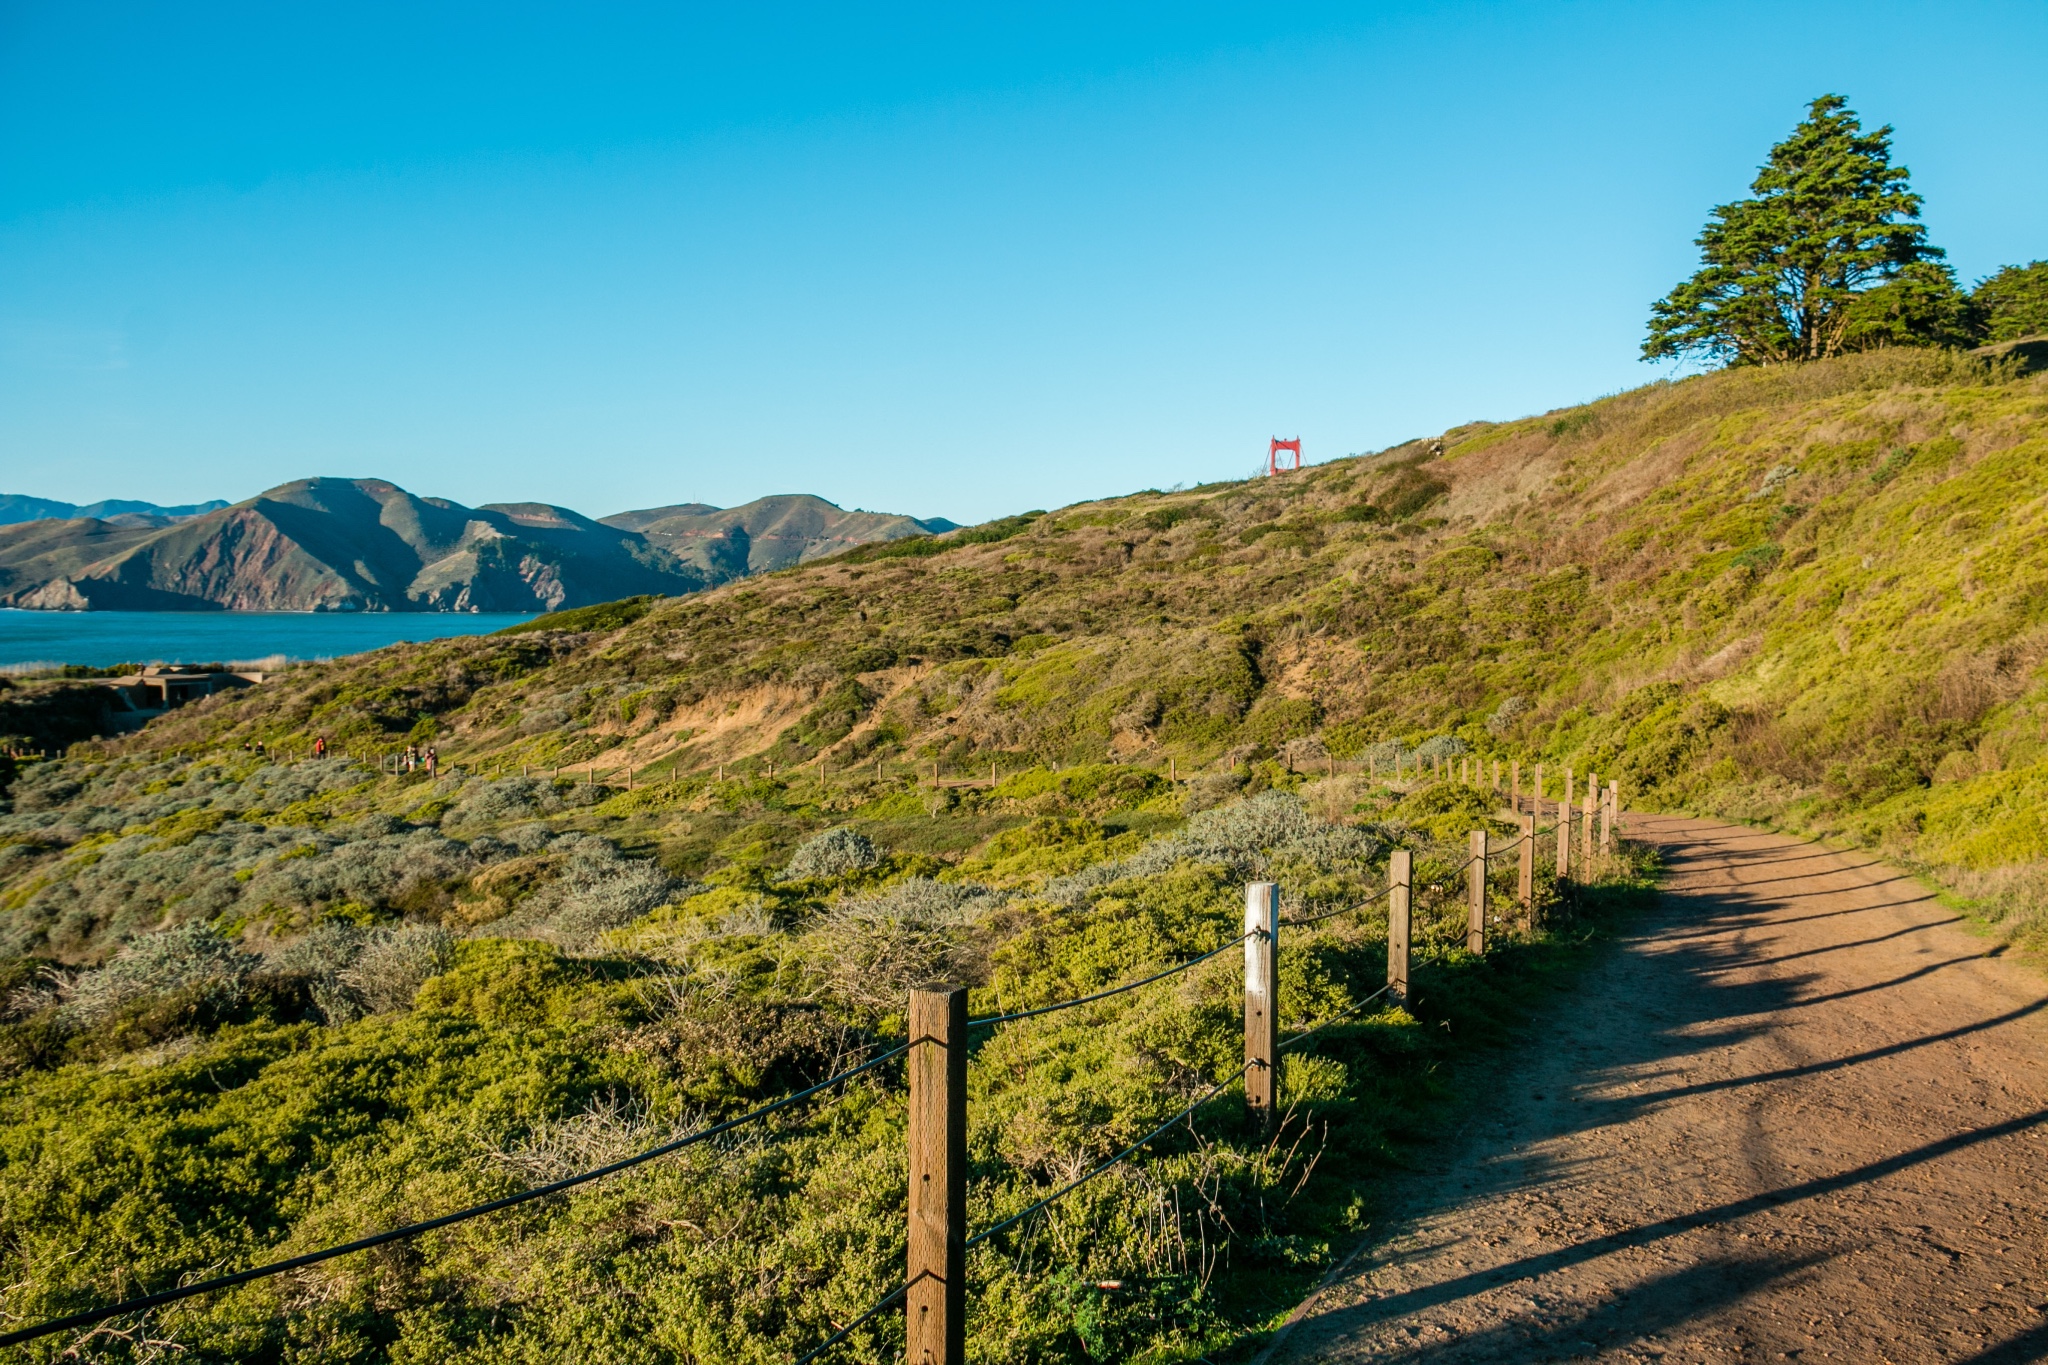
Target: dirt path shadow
(1800, 1114)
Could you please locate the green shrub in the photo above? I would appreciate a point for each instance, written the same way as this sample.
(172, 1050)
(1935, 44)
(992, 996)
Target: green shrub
(1450, 810)
(600, 616)
(1361, 512)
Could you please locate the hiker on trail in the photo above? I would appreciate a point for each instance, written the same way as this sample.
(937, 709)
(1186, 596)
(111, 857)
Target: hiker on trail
(433, 762)
(320, 747)
(412, 757)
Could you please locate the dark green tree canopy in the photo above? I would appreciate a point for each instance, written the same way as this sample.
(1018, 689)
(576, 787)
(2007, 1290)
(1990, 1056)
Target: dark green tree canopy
(1782, 275)
(1920, 306)
(2014, 302)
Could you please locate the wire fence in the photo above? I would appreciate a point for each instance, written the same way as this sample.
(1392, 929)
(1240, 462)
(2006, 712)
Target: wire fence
(879, 1307)
(1369, 901)
(1349, 1012)
(1063, 1191)
(144, 1303)
(993, 1019)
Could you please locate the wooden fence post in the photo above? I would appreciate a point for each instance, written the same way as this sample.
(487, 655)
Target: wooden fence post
(1537, 803)
(1564, 839)
(1261, 1001)
(1609, 809)
(1525, 879)
(1475, 889)
(1515, 783)
(1586, 819)
(1400, 876)
(935, 1304)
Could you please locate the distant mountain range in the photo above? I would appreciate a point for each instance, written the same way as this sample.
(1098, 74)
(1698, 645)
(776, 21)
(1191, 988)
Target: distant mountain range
(368, 545)
(18, 507)
(768, 533)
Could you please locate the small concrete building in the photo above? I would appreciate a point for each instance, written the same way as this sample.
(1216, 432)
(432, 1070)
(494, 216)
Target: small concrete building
(165, 687)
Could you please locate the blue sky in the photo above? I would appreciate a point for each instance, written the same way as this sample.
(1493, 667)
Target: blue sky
(949, 260)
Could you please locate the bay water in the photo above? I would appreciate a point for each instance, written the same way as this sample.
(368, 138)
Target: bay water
(102, 639)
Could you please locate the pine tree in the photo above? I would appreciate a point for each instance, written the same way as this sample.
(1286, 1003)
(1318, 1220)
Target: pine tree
(1921, 306)
(2014, 302)
(1781, 273)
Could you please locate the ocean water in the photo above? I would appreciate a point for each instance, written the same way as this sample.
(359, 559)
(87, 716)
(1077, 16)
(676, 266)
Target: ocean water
(104, 638)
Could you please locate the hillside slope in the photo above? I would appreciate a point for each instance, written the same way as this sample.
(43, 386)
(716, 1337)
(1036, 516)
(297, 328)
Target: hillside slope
(766, 534)
(1812, 595)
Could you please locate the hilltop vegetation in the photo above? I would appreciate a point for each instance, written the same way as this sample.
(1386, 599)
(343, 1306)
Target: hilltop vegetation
(1830, 257)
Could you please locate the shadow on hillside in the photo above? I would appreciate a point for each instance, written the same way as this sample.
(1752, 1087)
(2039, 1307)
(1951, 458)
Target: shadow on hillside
(1701, 1006)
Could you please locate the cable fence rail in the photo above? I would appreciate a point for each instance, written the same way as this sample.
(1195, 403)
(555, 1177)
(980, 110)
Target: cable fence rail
(1351, 1011)
(935, 1057)
(879, 1307)
(143, 1303)
(1304, 921)
(988, 1021)
(1063, 1191)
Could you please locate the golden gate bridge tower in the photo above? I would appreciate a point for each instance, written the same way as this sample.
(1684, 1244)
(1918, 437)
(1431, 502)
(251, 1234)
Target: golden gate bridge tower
(1273, 455)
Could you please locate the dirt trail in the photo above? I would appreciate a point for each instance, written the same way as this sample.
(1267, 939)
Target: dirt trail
(1800, 1114)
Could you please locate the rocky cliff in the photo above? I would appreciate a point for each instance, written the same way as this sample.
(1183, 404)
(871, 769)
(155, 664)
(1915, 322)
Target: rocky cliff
(337, 545)
(368, 545)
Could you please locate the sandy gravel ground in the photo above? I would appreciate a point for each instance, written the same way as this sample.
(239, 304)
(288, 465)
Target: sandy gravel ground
(1802, 1114)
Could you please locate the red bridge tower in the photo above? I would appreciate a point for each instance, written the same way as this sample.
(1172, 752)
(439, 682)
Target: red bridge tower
(1273, 455)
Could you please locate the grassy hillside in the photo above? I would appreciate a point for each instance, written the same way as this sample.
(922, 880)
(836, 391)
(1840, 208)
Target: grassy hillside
(254, 1005)
(1810, 596)
(388, 998)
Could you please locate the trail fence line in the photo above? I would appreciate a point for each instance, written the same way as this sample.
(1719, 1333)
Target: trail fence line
(933, 1293)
